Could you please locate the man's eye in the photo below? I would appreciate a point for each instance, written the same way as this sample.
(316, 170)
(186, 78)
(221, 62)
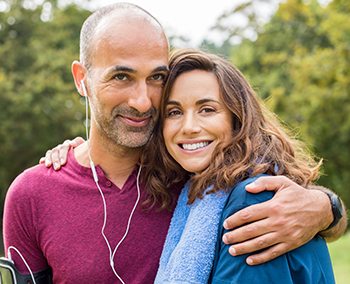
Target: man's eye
(158, 77)
(121, 77)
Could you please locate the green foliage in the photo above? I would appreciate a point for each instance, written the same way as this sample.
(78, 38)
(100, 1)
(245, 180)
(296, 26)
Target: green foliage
(340, 256)
(39, 104)
(301, 64)
(222, 50)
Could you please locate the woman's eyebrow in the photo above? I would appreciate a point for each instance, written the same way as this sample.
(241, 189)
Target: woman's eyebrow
(203, 101)
(176, 103)
(199, 102)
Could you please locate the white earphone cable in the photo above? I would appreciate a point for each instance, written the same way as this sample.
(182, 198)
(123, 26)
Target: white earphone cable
(111, 254)
(23, 259)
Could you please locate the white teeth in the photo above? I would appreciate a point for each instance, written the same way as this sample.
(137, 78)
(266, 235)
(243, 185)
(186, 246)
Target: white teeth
(195, 146)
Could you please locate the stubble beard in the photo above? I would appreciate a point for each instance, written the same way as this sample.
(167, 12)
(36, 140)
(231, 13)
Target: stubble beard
(122, 134)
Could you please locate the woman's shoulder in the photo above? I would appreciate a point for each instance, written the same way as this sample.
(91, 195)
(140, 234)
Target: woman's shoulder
(239, 197)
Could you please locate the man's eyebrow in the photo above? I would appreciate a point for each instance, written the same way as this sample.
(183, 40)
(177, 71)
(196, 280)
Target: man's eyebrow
(161, 69)
(119, 68)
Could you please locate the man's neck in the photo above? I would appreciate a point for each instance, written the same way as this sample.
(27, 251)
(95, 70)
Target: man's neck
(117, 162)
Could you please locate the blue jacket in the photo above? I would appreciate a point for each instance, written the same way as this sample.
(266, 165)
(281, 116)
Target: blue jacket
(307, 264)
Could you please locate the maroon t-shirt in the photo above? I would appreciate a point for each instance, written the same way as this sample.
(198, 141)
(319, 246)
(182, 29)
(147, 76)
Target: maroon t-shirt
(55, 218)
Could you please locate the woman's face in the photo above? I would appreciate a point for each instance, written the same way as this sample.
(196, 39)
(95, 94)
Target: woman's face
(196, 120)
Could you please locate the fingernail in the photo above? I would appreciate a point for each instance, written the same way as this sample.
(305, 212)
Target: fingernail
(55, 165)
(249, 261)
(251, 185)
(62, 161)
(232, 250)
(73, 143)
(47, 163)
(224, 239)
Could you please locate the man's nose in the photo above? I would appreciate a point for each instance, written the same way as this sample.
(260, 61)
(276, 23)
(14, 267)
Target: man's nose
(140, 98)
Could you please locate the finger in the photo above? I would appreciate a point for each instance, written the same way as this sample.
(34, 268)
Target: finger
(67, 142)
(271, 183)
(77, 141)
(247, 232)
(269, 254)
(253, 245)
(249, 214)
(48, 161)
(63, 152)
(42, 160)
(55, 157)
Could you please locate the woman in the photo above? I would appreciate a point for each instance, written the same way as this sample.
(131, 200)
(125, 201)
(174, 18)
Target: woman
(215, 131)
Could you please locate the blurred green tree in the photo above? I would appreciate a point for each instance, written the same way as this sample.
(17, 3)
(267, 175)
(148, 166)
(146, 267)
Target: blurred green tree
(39, 104)
(299, 63)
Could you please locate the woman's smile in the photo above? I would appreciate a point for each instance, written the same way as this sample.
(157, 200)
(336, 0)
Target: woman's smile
(196, 120)
(194, 146)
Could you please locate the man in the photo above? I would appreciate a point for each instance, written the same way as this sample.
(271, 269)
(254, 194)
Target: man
(54, 218)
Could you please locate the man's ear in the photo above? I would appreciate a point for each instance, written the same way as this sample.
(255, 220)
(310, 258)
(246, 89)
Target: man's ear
(79, 73)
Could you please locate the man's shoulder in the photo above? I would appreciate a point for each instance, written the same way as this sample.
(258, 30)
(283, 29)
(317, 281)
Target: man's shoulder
(37, 170)
(41, 174)
(30, 179)
(36, 178)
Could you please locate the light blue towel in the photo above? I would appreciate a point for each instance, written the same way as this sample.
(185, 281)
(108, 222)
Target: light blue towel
(189, 247)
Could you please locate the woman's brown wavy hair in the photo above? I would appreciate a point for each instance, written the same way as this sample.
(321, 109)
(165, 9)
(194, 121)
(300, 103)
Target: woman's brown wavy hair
(259, 144)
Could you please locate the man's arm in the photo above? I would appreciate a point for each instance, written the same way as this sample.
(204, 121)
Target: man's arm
(337, 231)
(19, 226)
(290, 219)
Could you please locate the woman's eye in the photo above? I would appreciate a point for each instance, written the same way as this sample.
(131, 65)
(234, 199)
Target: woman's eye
(121, 77)
(174, 112)
(206, 110)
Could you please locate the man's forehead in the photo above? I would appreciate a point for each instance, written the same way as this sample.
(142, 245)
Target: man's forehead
(117, 41)
(113, 19)
(119, 21)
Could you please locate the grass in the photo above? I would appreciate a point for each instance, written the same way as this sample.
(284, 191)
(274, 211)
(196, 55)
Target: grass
(340, 255)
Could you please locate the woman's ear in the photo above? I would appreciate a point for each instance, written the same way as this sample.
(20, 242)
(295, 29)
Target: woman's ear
(79, 72)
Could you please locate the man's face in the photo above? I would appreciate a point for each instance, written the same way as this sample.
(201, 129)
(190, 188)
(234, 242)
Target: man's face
(129, 65)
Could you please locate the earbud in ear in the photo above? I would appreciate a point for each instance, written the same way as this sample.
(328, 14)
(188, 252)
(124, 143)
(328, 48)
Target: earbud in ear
(84, 89)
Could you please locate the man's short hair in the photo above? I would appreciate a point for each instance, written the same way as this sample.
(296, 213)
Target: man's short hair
(89, 27)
